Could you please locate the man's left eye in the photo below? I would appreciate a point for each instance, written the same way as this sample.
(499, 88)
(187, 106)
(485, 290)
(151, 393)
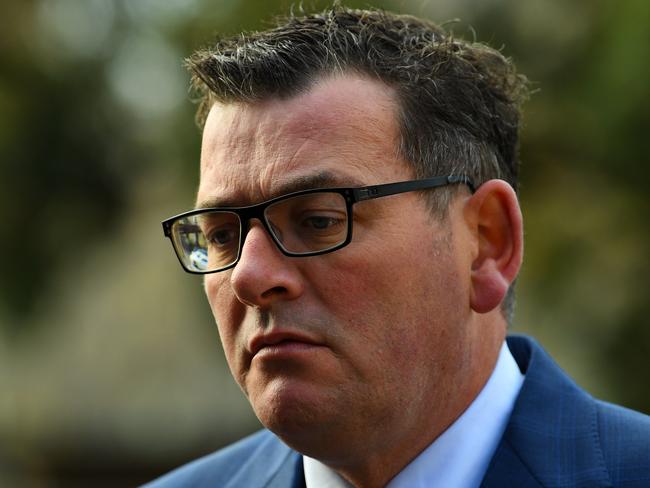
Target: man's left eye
(320, 222)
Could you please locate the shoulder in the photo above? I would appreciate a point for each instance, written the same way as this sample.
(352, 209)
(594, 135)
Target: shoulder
(562, 436)
(258, 457)
(625, 440)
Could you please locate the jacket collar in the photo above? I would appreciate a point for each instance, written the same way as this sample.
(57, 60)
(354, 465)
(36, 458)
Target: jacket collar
(552, 436)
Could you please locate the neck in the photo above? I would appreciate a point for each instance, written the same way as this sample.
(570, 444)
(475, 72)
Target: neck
(373, 459)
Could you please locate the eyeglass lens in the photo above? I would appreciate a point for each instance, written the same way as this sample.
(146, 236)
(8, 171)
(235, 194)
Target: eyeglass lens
(300, 225)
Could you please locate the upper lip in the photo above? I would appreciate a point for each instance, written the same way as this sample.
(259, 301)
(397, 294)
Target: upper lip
(259, 341)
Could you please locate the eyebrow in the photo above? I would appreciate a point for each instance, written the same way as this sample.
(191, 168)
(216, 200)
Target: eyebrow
(323, 179)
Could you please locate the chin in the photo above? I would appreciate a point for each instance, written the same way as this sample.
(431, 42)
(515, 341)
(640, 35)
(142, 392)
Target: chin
(296, 412)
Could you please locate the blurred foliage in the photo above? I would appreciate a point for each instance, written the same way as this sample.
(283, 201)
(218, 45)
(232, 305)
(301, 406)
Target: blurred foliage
(108, 352)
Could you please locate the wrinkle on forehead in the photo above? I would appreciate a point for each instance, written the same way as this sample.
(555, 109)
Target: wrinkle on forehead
(250, 147)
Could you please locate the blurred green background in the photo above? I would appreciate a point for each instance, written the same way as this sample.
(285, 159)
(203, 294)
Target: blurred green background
(111, 371)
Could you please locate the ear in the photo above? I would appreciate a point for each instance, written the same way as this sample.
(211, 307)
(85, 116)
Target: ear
(495, 220)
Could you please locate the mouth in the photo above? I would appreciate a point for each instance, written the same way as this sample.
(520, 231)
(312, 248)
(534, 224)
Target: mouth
(282, 343)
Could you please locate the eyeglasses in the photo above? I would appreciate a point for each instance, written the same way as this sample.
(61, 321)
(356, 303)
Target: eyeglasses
(304, 223)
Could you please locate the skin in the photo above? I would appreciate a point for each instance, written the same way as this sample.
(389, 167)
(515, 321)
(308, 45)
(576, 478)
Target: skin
(380, 346)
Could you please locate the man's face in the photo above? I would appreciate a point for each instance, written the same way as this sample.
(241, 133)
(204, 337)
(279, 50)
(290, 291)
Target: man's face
(359, 343)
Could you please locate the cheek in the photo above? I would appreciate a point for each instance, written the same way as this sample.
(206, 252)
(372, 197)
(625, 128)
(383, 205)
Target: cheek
(226, 313)
(400, 305)
(370, 305)
(367, 281)
(348, 286)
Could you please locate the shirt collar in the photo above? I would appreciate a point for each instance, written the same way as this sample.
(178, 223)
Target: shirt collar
(460, 456)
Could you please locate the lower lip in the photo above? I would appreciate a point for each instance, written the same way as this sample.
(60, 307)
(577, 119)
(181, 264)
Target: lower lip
(286, 349)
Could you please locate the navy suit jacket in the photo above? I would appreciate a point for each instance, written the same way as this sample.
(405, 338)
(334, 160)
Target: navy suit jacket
(557, 436)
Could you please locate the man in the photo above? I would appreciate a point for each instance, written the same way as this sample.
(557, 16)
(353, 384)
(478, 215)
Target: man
(359, 231)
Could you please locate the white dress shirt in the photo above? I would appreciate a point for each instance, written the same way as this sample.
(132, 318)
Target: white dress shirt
(460, 456)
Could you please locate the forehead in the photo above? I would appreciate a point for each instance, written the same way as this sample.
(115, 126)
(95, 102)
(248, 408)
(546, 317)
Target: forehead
(344, 126)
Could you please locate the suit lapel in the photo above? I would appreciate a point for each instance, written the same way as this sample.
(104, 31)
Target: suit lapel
(507, 469)
(290, 474)
(551, 438)
(272, 465)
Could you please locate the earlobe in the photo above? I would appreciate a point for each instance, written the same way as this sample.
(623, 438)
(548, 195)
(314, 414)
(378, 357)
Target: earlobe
(495, 217)
(489, 288)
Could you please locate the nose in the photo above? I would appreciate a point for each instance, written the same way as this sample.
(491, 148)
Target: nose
(263, 274)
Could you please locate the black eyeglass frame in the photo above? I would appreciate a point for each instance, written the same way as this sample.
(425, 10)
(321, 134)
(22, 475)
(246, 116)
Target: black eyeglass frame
(351, 196)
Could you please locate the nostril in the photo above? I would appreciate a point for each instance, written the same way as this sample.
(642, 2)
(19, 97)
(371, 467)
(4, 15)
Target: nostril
(279, 290)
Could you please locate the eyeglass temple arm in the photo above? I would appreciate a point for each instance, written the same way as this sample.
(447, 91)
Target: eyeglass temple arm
(377, 191)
